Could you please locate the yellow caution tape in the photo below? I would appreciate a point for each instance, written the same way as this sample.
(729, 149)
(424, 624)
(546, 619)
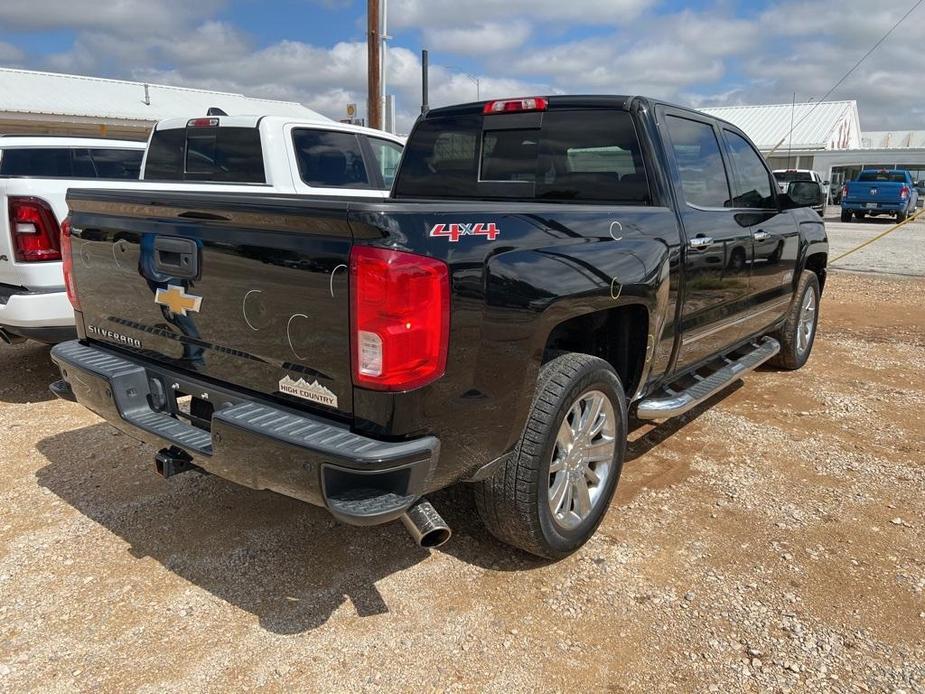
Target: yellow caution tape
(893, 228)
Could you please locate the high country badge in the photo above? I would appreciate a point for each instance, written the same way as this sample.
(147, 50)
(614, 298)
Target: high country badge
(308, 391)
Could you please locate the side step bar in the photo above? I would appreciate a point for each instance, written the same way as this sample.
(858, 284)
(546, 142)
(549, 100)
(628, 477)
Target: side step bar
(668, 403)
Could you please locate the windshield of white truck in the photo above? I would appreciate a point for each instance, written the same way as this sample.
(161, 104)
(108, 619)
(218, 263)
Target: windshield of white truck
(221, 155)
(581, 155)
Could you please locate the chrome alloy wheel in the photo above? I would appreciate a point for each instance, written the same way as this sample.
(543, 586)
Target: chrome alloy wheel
(807, 322)
(582, 459)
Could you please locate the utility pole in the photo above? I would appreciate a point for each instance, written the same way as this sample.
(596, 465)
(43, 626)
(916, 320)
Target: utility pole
(374, 65)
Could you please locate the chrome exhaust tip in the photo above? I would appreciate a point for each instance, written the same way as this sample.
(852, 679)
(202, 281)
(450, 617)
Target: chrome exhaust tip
(425, 525)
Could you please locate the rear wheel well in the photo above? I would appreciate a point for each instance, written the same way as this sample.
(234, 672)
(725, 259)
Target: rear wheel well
(618, 335)
(817, 263)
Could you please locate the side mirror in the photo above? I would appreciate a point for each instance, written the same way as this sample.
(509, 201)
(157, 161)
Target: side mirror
(825, 183)
(806, 193)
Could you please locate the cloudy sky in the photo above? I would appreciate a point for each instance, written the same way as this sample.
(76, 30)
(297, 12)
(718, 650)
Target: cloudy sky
(313, 51)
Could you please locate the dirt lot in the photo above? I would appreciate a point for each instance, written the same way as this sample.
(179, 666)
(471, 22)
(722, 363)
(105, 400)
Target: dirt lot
(772, 541)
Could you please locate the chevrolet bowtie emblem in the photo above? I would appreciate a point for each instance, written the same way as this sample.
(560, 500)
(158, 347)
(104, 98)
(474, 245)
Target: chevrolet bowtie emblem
(177, 300)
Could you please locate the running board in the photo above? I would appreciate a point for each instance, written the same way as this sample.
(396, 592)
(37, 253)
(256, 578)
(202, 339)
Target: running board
(667, 403)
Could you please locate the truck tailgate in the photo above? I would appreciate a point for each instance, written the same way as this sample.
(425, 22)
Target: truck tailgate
(875, 191)
(244, 289)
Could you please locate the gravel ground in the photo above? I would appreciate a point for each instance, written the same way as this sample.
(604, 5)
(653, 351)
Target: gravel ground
(902, 252)
(772, 541)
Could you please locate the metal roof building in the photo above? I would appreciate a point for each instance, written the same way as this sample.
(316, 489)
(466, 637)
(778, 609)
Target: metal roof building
(816, 126)
(893, 139)
(50, 103)
(827, 138)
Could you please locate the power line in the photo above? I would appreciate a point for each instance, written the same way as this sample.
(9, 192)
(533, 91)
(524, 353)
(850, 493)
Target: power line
(848, 74)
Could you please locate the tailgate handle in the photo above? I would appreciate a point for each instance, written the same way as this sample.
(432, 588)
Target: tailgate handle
(207, 216)
(176, 257)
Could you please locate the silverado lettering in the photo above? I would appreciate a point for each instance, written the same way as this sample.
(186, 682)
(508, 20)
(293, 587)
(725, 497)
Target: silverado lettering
(114, 337)
(648, 260)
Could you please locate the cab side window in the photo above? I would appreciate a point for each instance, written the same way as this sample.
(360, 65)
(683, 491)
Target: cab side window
(387, 154)
(700, 164)
(751, 184)
(330, 159)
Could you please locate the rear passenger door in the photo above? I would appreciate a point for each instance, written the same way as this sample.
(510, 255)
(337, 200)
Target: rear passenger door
(774, 233)
(718, 248)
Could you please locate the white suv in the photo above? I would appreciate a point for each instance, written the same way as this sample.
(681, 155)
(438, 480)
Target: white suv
(35, 174)
(253, 154)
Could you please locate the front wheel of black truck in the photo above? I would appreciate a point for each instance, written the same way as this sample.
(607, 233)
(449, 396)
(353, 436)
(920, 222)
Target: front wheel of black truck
(552, 493)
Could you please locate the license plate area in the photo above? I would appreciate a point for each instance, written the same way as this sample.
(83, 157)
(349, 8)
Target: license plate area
(872, 205)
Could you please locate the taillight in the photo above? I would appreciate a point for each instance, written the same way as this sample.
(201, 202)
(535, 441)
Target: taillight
(202, 123)
(67, 254)
(533, 103)
(400, 318)
(34, 230)
(844, 191)
(904, 192)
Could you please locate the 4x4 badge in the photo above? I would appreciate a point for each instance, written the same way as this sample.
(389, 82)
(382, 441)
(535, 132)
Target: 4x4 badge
(454, 231)
(177, 300)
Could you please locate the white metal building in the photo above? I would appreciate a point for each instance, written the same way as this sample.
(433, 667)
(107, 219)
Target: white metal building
(49, 103)
(827, 137)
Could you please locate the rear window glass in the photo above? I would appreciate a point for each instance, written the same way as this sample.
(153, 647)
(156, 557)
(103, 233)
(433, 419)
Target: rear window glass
(329, 159)
(226, 155)
(591, 155)
(63, 162)
(884, 176)
(788, 176)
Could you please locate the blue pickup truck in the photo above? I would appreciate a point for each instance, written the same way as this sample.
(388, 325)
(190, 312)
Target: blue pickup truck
(879, 191)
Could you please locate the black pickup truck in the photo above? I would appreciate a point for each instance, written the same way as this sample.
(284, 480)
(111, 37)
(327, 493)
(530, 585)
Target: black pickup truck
(545, 270)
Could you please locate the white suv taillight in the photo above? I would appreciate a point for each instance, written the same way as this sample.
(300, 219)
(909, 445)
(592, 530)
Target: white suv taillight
(34, 230)
(400, 318)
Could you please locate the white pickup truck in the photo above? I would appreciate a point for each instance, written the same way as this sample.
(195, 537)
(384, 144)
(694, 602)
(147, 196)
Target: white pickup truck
(35, 174)
(273, 153)
(253, 154)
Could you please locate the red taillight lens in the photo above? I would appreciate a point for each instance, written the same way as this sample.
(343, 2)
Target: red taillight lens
(904, 192)
(400, 318)
(34, 230)
(844, 190)
(67, 254)
(202, 123)
(533, 103)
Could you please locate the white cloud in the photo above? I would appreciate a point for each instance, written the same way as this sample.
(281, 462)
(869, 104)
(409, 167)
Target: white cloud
(479, 39)
(700, 57)
(125, 16)
(450, 13)
(10, 55)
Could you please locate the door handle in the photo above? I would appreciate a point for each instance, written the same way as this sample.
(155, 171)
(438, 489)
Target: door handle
(701, 242)
(761, 235)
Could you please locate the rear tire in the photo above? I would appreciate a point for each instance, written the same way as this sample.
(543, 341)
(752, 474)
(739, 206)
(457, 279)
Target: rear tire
(860, 216)
(845, 216)
(799, 332)
(536, 500)
(901, 217)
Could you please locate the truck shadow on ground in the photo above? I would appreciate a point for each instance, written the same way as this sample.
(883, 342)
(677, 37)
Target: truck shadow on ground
(27, 371)
(286, 562)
